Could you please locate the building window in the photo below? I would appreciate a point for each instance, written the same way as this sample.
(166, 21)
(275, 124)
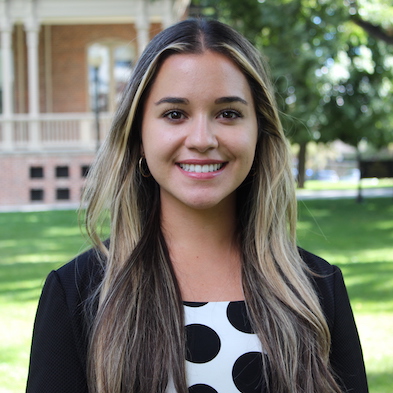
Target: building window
(85, 170)
(63, 194)
(110, 65)
(36, 172)
(36, 194)
(62, 171)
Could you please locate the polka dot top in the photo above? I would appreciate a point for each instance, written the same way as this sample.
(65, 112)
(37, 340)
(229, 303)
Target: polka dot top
(223, 354)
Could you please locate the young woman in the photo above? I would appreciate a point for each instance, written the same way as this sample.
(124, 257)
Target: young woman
(201, 287)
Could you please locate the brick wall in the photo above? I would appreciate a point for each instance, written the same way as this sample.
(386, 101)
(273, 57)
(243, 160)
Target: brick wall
(17, 184)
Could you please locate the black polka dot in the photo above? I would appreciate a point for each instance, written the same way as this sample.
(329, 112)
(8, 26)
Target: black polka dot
(203, 343)
(247, 372)
(201, 388)
(237, 316)
(194, 304)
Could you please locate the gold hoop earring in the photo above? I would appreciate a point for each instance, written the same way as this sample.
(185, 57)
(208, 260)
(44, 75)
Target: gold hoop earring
(143, 172)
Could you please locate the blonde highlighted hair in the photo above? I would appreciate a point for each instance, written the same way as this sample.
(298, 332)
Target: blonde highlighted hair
(137, 340)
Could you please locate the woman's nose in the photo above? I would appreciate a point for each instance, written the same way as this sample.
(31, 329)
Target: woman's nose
(201, 135)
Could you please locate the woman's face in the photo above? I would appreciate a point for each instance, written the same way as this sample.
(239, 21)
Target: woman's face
(199, 130)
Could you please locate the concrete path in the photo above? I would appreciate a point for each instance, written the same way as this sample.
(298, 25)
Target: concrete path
(338, 194)
(301, 195)
(36, 207)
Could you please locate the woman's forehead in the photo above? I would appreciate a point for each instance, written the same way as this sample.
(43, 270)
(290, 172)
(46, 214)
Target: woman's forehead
(209, 73)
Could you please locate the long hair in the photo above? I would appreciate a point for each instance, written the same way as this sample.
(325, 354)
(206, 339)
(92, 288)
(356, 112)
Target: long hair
(137, 341)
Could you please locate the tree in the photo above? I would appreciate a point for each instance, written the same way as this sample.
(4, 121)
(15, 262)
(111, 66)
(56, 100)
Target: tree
(332, 68)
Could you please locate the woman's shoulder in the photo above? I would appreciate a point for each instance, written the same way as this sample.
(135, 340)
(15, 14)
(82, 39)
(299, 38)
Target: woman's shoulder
(324, 275)
(317, 265)
(328, 282)
(86, 265)
(77, 278)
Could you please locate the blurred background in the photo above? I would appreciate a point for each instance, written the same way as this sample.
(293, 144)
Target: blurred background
(63, 67)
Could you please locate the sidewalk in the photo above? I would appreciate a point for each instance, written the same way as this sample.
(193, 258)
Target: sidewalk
(386, 192)
(38, 207)
(338, 194)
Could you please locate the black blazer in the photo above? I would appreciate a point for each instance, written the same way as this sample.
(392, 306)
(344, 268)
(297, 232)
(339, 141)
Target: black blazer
(59, 346)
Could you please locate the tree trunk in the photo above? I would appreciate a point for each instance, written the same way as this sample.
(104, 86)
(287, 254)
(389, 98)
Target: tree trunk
(375, 30)
(359, 198)
(301, 166)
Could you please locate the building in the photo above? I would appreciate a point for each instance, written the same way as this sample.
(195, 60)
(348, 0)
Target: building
(59, 61)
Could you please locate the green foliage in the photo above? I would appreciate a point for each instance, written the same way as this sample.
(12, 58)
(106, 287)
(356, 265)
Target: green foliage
(333, 77)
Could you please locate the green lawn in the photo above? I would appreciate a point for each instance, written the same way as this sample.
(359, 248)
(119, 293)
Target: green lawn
(357, 237)
(31, 244)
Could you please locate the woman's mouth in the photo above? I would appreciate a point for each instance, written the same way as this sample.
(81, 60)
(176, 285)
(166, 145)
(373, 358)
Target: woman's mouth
(197, 168)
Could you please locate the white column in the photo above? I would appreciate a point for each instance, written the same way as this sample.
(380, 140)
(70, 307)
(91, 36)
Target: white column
(33, 72)
(6, 77)
(7, 72)
(32, 31)
(167, 18)
(142, 25)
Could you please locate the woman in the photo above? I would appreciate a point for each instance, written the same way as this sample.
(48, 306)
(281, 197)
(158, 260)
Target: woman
(196, 176)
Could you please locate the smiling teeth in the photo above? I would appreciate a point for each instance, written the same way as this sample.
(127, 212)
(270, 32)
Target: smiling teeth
(201, 168)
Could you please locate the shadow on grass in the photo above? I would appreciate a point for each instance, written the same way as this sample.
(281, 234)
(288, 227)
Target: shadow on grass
(33, 221)
(345, 225)
(39, 236)
(33, 244)
(23, 282)
(370, 284)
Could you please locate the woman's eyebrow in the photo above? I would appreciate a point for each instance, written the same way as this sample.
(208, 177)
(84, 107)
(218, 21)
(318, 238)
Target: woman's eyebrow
(173, 100)
(230, 99)
(185, 101)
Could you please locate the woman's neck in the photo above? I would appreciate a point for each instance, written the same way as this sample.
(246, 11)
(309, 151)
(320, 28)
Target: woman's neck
(204, 251)
(187, 229)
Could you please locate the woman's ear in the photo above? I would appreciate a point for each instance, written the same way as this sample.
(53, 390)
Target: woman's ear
(141, 150)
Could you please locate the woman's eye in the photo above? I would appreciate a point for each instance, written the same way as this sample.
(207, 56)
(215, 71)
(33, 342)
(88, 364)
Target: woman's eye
(230, 114)
(174, 115)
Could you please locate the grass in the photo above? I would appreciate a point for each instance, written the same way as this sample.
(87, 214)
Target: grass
(359, 239)
(356, 237)
(31, 244)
